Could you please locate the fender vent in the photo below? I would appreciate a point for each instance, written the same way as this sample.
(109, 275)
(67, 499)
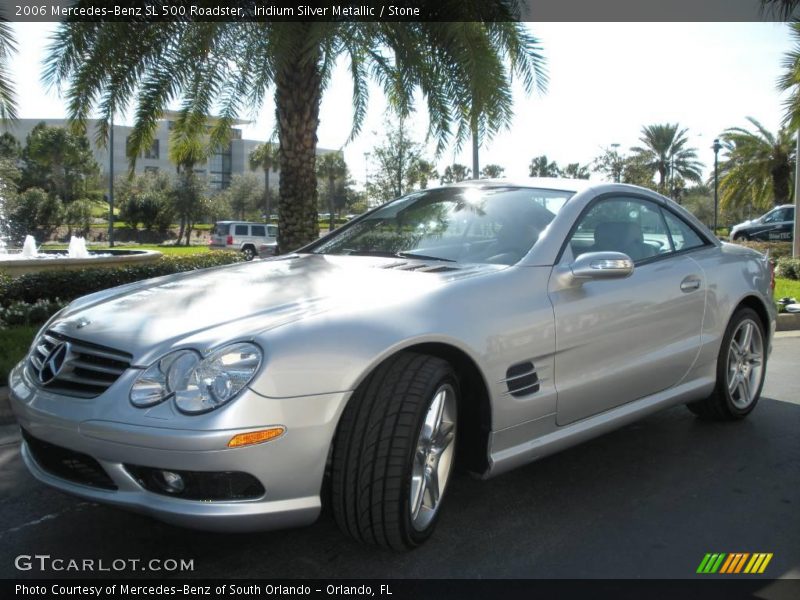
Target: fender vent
(522, 379)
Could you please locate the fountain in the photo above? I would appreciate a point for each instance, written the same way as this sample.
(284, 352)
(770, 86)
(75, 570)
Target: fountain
(30, 259)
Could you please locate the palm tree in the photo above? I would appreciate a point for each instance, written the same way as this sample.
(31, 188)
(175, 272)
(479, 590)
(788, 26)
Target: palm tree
(8, 46)
(455, 173)
(233, 65)
(783, 9)
(541, 167)
(266, 157)
(422, 171)
(575, 171)
(665, 151)
(188, 146)
(330, 167)
(492, 172)
(790, 80)
(758, 168)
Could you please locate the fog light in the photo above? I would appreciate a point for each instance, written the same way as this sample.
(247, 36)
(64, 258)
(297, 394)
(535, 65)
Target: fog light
(173, 483)
(255, 437)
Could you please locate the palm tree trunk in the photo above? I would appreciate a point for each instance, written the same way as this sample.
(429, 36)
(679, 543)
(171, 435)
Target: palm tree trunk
(297, 97)
(781, 179)
(331, 188)
(475, 153)
(266, 196)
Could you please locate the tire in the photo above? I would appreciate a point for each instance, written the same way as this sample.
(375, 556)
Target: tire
(383, 452)
(741, 367)
(249, 253)
(741, 237)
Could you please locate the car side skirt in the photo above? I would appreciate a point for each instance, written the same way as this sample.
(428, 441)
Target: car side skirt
(506, 452)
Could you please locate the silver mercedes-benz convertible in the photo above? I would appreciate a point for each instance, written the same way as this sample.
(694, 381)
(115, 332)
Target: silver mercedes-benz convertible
(486, 324)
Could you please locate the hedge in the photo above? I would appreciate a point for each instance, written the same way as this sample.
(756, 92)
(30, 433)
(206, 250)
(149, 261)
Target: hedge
(777, 250)
(68, 285)
(788, 268)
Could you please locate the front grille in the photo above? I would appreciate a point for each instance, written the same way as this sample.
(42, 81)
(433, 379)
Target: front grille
(68, 464)
(73, 367)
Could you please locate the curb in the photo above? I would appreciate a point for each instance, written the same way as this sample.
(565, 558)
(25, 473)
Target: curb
(788, 322)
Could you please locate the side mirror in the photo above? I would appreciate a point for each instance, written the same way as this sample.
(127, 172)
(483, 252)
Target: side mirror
(601, 265)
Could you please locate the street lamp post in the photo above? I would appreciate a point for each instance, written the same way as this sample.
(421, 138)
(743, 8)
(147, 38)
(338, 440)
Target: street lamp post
(617, 164)
(716, 147)
(111, 185)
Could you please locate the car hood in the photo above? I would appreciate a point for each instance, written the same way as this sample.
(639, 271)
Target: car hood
(204, 308)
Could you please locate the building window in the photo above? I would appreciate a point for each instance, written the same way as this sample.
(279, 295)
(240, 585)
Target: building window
(151, 170)
(220, 168)
(152, 151)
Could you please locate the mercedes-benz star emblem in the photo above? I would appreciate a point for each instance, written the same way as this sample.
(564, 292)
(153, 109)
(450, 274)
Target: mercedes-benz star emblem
(54, 362)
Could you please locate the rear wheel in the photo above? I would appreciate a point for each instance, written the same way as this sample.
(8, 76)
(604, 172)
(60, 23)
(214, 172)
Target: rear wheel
(248, 252)
(394, 452)
(741, 367)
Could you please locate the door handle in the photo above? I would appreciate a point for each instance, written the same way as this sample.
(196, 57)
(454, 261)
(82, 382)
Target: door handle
(690, 284)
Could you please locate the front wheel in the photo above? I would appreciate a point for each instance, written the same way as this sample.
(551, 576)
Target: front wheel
(394, 452)
(741, 367)
(740, 237)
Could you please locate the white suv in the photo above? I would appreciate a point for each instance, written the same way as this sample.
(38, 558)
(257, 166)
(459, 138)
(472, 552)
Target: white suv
(243, 236)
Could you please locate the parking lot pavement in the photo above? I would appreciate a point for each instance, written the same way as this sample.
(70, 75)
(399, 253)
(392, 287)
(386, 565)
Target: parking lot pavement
(648, 500)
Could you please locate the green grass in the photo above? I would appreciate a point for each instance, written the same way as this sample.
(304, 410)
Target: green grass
(786, 287)
(16, 341)
(168, 250)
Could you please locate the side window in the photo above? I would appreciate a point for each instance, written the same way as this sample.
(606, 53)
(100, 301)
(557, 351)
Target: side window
(628, 225)
(240, 230)
(258, 230)
(776, 216)
(683, 236)
(272, 231)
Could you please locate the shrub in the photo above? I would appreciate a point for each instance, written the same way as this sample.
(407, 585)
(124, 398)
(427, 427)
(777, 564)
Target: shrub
(73, 284)
(34, 212)
(22, 313)
(78, 216)
(788, 268)
(777, 250)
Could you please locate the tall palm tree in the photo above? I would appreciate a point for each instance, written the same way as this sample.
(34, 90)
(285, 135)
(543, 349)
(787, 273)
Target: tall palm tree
(231, 66)
(8, 46)
(758, 168)
(330, 167)
(666, 152)
(266, 157)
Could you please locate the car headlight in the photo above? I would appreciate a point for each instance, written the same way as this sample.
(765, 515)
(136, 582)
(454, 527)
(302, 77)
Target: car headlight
(197, 384)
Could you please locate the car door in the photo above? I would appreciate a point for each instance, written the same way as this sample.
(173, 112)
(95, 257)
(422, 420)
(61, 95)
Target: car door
(618, 340)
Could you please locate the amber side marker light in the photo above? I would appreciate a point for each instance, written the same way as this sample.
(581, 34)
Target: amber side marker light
(256, 437)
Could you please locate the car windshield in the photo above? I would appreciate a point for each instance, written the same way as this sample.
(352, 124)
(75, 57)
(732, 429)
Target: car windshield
(496, 225)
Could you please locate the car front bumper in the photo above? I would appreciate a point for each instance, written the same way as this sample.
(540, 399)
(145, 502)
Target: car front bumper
(290, 468)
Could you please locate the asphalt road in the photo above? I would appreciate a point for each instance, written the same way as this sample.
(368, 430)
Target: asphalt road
(648, 500)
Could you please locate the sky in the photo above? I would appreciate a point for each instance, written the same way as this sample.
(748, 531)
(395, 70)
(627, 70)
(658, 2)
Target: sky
(607, 80)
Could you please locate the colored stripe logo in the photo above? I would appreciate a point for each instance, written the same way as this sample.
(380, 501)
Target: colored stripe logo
(733, 563)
